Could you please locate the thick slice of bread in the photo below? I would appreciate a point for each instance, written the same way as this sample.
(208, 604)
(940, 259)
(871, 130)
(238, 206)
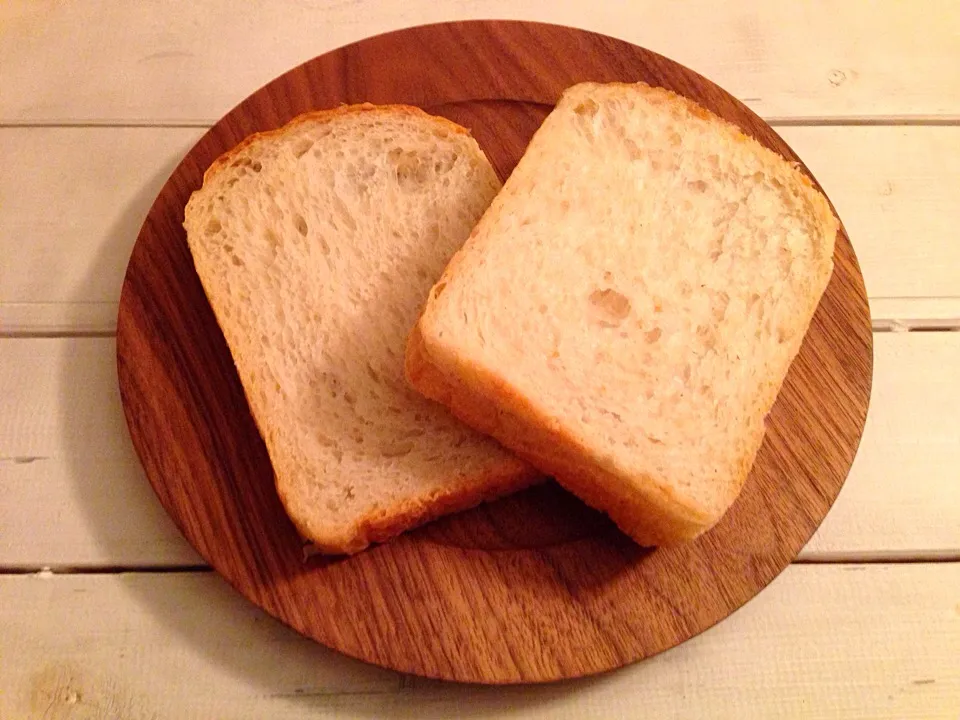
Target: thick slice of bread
(625, 312)
(317, 245)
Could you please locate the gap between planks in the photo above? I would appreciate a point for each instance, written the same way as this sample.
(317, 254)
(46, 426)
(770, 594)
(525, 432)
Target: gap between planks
(840, 559)
(55, 570)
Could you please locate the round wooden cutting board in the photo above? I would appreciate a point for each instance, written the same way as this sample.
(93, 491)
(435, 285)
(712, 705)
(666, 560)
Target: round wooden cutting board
(534, 587)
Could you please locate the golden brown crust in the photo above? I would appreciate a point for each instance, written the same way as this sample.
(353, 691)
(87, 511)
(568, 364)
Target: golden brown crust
(320, 116)
(387, 523)
(649, 513)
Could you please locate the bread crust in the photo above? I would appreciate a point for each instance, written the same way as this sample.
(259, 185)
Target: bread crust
(322, 116)
(389, 522)
(383, 523)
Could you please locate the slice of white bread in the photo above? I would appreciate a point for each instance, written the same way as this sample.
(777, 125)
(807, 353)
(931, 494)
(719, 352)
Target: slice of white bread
(317, 245)
(625, 312)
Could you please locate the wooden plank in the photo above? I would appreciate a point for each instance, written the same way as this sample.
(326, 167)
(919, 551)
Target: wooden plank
(897, 190)
(903, 314)
(902, 498)
(138, 646)
(67, 464)
(811, 60)
(877, 641)
(70, 233)
(74, 491)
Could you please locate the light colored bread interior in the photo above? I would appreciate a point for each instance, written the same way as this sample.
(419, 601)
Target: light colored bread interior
(317, 245)
(624, 314)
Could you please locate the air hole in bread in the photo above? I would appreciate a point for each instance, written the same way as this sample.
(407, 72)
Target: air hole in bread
(301, 224)
(633, 150)
(698, 186)
(588, 108)
(213, 227)
(784, 259)
(272, 239)
(609, 308)
(397, 449)
(438, 289)
(343, 214)
(256, 167)
(444, 164)
(729, 210)
(704, 332)
(653, 335)
(236, 261)
(411, 169)
(302, 147)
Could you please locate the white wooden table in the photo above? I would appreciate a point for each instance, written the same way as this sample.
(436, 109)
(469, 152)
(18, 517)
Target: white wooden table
(106, 612)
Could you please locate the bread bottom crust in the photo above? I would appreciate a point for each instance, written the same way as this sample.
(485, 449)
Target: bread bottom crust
(389, 522)
(645, 510)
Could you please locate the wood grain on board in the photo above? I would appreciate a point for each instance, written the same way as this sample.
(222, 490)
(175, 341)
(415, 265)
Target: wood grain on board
(531, 588)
